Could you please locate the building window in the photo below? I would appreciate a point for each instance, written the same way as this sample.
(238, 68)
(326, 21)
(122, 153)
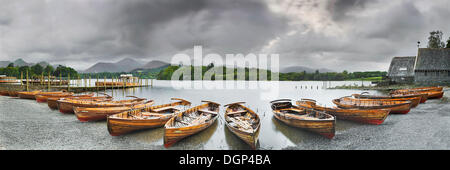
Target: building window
(426, 73)
(448, 73)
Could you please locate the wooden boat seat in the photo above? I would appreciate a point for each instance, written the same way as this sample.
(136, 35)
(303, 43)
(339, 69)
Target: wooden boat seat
(237, 112)
(163, 108)
(207, 111)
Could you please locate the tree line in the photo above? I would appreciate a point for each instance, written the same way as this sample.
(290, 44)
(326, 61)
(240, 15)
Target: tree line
(37, 71)
(167, 73)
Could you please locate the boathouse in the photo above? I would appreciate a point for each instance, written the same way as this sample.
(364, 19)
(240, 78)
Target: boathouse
(401, 69)
(432, 66)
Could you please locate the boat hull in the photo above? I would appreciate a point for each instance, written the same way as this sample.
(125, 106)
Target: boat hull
(173, 135)
(95, 114)
(435, 94)
(13, 94)
(403, 108)
(372, 116)
(325, 128)
(28, 95)
(117, 127)
(4, 93)
(250, 138)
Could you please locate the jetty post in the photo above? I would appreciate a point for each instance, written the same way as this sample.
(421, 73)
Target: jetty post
(104, 82)
(21, 78)
(48, 84)
(89, 80)
(85, 82)
(27, 80)
(96, 83)
(42, 78)
(68, 84)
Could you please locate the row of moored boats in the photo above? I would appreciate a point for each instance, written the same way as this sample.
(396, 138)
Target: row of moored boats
(180, 120)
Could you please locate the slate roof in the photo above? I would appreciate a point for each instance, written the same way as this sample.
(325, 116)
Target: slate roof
(402, 67)
(433, 59)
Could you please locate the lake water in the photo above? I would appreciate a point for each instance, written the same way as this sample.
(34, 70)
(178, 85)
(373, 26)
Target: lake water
(64, 131)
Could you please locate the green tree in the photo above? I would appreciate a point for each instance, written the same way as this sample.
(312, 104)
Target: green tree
(49, 68)
(65, 71)
(10, 65)
(37, 69)
(24, 69)
(435, 39)
(448, 43)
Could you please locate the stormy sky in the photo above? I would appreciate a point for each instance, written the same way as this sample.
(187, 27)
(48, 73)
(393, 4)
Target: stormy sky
(354, 35)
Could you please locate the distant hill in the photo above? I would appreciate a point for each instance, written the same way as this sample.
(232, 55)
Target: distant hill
(4, 63)
(152, 65)
(20, 62)
(298, 69)
(125, 65)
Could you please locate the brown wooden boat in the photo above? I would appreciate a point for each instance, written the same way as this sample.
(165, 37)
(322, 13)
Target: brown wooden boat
(52, 102)
(67, 105)
(365, 95)
(438, 88)
(28, 95)
(414, 100)
(401, 107)
(243, 122)
(309, 119)
(13, 93)
(435, 94)
(85, 114)
(422, 89)
(368, 116)
(4, 93)
(42, 97)
(190, 121)
(146, 118)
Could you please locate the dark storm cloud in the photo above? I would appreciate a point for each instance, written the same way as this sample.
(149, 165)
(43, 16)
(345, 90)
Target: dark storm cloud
(339, 8)
(337, 34)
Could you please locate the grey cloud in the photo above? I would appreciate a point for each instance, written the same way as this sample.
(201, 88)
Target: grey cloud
(81, 33)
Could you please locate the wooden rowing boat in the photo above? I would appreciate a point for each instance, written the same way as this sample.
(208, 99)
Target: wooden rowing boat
(423, 96)
(423, 89)
(53, 102)
(414, 100)
(243, 122)
(438, 88)
(67, 105)
(434, 94)
(42, 97)
(189, 122)
(4, 93)
(13, 93)
(309, 119)
(368, 116)
(28, 95)
(401, 107)
(85, 114)
(146, 118)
